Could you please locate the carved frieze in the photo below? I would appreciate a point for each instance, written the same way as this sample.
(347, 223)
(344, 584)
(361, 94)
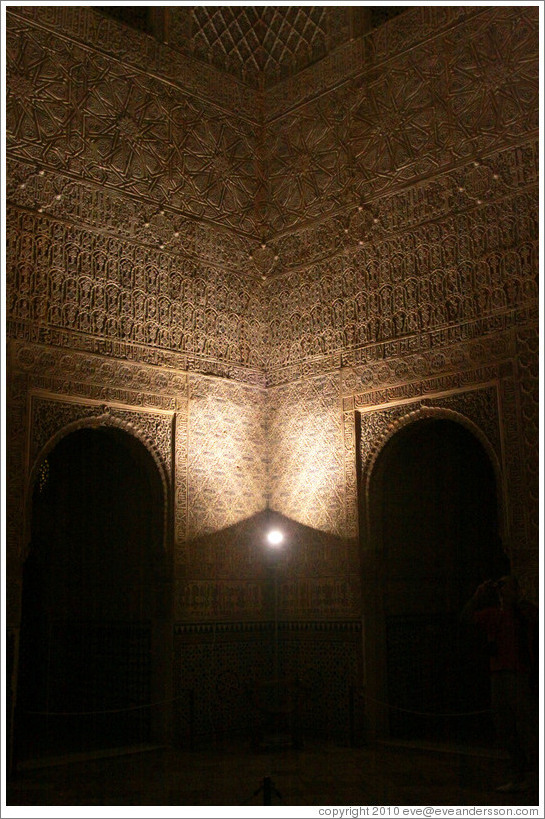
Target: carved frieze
(82, 25)
(101, 289)
(57, 366)
(325, 597)
(389, 377)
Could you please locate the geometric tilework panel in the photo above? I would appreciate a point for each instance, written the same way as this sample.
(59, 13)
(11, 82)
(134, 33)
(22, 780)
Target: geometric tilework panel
(220, 674)
(224, 676)
(329, 668)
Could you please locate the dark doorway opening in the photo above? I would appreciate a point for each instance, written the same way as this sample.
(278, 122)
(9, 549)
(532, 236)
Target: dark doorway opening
(89, 597)
(435, 515)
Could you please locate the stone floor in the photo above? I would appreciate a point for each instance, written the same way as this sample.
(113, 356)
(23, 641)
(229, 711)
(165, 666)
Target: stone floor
(229, 775)
(319, 774)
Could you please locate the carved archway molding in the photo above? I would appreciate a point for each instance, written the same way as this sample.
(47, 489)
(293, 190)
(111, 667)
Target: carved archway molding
(51, 421)
(477, 410)
(392, 419)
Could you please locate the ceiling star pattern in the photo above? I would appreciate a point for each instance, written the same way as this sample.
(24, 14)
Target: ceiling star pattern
(424, 111)
(307, 165)
(493, 79)
(432, 105)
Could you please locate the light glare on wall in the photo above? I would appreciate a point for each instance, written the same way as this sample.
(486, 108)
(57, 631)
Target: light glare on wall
(275, 538)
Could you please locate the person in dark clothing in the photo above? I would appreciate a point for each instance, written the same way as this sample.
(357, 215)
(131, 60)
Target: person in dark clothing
(511, 626)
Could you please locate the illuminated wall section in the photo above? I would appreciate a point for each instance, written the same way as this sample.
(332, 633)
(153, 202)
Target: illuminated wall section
(306, 463)
(227, 460)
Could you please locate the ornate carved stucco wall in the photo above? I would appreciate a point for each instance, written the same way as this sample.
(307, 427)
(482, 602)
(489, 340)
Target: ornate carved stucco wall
(257, 267)
(414, 248)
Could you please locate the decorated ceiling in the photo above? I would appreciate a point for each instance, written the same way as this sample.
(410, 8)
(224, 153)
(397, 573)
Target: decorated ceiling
(260, 45)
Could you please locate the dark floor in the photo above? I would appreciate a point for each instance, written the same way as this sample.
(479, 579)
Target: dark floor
(319, 774)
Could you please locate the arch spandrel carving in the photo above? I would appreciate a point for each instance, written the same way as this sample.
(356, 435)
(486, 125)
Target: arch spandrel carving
(51, 419)
(488, 412)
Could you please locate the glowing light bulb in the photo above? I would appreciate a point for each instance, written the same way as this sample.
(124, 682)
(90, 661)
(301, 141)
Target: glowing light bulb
(275, 537)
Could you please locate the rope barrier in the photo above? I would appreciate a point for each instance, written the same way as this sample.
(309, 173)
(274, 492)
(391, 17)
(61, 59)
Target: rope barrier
(109, 711)
(426, 713)
(175, 699)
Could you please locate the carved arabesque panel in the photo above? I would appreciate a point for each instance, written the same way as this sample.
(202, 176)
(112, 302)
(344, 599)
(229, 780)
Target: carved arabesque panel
(141, 136)
(480, 406)
(450, 273)
(16, 476)
(51, 417)
(527, 341)
(227, 472)
(306, 465)
(53, 392)
(82, 281)
(78, 112)
(493, 412)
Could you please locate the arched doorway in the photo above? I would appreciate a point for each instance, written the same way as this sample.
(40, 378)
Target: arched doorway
(91, 588)
(434, 523)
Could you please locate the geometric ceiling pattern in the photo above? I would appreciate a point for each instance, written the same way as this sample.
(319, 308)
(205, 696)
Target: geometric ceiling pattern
(122, 128)
(257, 41)
(260, 45)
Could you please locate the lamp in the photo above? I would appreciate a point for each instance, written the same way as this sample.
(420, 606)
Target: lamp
(275, 539)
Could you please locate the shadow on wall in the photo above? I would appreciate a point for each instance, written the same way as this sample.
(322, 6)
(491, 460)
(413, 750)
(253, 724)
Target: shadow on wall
(267, 634)
(318, 572)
